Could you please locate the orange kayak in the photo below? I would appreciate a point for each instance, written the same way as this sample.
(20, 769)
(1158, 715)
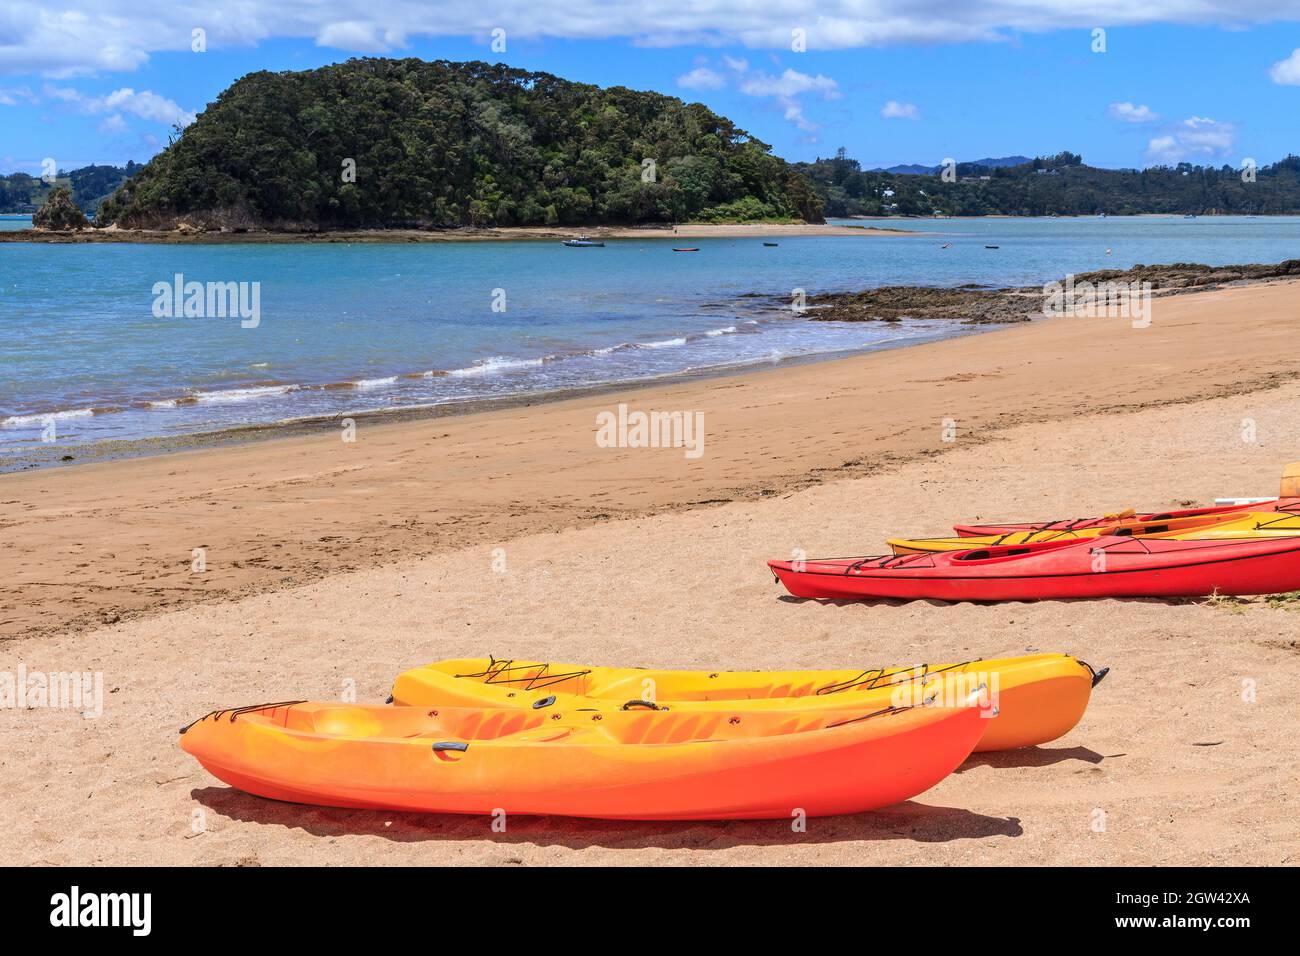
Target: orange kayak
(634, 765)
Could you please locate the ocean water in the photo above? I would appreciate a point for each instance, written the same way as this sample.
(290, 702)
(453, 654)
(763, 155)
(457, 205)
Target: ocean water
(349, 328)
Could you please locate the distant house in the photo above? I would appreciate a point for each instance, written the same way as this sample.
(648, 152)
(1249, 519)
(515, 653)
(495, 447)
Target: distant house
(887, 193)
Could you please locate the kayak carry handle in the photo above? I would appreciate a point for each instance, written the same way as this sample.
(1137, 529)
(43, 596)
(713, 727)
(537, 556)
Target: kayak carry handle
(1097, 676)
(544, 702)
(648, 704)
(442, 745)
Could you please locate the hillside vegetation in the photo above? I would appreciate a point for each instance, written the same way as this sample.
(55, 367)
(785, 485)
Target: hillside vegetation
(89, 186)
(441, 144)
(1060, 185)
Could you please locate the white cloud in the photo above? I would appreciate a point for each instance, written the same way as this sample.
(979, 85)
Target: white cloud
(114, 125)
(1195, 138)
(1287, 72)
(1131, 113)
(896, 110)
(785, 90)
(357, 37)
(702, 78)
(146, 104)
(83, 36)
(13, 95)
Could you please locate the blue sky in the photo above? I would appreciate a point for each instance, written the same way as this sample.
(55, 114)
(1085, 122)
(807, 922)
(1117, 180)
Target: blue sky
(917, 89)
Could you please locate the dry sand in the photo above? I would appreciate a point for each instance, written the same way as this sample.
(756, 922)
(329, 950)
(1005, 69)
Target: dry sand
(612, 558)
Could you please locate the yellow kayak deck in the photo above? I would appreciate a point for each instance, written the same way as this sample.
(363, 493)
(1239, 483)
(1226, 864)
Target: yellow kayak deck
(1030, 699)
(1201, 526)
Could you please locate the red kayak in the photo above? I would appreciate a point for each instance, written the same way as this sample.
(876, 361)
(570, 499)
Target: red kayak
(1076, 524)
(1110, 567)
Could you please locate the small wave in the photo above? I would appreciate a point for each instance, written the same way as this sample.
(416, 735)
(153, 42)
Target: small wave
(18, 421)
(498, 364)
(664, 344)
(729, 330)
(611, 349)
(225, 396)
(367, 383)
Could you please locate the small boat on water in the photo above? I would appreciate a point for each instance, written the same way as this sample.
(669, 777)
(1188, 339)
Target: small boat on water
(946, 245)
(582, 241)
(992, 247)
(686, 249)
(770, 243)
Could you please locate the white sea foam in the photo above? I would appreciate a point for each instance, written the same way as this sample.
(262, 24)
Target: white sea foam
(20, 421)
(376, 382)
(497, 363)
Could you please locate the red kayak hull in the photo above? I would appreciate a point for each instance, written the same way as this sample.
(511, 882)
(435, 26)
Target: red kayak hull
(1076, 524)
(1110, 567)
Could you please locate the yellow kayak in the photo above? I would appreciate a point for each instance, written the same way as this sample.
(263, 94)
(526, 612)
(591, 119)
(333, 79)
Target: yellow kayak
(1029, 700)
(1257, 524)
(1167, 528)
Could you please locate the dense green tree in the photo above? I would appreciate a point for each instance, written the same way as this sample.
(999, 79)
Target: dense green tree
(439, 144)
(59, 212)
(1059, 184)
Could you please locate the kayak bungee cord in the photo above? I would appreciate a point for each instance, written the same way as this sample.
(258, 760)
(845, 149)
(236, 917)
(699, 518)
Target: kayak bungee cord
(236, 711)
(497, 668)
(878, 713)
(924, 671)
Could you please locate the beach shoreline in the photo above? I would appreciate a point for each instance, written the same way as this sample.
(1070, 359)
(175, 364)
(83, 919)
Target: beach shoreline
(510, 533)
(108, 540)
(731, 231)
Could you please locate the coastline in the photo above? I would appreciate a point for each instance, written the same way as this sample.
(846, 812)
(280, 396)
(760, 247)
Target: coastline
(68, 456)
(829, 459)
(289, 510)
(113, 234)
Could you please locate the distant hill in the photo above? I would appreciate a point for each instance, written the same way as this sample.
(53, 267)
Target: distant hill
(1054, 185)
(913, 169)
(90, 186)
(439, 144)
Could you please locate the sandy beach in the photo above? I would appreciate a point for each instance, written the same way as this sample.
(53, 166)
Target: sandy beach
(333, 565)
(758, 230)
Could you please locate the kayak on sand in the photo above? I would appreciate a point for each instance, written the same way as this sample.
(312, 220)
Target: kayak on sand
(1109, 567)
(1038, 697)
(1127, 528)
(635, 765)
(1076, 524)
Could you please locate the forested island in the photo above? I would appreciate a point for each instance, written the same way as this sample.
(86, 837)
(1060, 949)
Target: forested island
(383, 143)
(377, 143)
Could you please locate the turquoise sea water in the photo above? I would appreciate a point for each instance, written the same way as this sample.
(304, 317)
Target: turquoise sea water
(348, 328)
